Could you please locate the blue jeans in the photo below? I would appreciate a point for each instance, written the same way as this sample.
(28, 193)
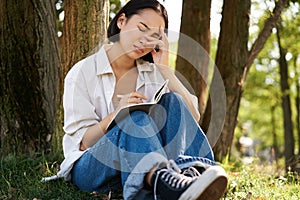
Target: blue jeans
(121, 158)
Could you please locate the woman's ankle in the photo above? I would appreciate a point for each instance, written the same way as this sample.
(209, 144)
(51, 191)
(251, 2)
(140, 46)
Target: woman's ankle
(149, 175)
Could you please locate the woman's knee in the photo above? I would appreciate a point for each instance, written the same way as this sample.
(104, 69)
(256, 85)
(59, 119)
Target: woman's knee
(172, 95)
(140, 118)
(172, 98)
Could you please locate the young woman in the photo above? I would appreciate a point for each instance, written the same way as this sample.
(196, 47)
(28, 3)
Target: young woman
(164, 153)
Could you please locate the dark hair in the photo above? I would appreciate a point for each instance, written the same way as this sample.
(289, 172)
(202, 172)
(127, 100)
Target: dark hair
(134, 7)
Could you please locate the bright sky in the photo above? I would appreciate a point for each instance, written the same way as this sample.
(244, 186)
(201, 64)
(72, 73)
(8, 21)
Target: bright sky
(174, 8)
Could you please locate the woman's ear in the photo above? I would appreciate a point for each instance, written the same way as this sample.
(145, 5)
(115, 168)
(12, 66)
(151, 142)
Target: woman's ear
(121, 20)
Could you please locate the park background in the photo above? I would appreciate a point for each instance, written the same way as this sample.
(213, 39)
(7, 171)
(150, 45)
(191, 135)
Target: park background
(253, 45)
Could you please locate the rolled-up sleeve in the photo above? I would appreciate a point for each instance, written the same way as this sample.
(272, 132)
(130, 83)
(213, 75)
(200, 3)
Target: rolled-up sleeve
(79, 112)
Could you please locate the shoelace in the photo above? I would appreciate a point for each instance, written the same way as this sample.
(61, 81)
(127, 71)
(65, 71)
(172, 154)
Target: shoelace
(191, 172)
(172, 175)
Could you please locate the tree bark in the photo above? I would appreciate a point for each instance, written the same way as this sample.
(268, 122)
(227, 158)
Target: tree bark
(289, 141)
(297, 99)
(274, 135)
(230, 59)
(233, 60)
(84, 29)
(29, 64)
(195, 24)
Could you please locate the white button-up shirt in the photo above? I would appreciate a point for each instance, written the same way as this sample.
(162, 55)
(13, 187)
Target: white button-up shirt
(89, 88)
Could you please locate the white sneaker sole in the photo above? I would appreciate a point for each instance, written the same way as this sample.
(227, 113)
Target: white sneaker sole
(211, 185)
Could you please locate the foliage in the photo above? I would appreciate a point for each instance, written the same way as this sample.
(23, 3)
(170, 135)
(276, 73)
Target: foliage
(59, 12)
(115, 6)
(262, 89)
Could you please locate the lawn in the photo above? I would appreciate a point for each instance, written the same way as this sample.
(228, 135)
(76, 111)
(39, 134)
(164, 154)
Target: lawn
(261, 182)
(20, 178)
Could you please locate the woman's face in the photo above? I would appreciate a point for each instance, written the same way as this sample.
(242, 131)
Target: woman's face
(139, 33)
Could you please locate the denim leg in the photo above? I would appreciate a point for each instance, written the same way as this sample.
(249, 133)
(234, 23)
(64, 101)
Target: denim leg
(132, 148)
(88, 174)
(184, 161)
(137, 143)
(181, 134)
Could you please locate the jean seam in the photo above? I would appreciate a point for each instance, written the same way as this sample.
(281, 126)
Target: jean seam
(128, 164)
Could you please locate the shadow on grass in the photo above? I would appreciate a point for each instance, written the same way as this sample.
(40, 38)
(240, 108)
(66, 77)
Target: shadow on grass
(20, 178)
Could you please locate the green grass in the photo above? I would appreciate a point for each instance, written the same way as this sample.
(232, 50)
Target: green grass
(20, 178)
(261, 182)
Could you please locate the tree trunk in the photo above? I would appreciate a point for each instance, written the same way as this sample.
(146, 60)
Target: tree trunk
(29, 64)
(233, 62)
(84, 29)
(195, 25)
(274, 136)
(231, 58)
(297, 98)
(289, 141)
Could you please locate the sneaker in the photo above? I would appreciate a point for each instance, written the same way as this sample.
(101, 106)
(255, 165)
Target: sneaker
(192, 172)
(210, 185)
(169, 183)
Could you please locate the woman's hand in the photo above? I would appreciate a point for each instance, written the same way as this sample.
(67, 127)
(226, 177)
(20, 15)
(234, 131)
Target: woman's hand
(131, 98)
(162, 55)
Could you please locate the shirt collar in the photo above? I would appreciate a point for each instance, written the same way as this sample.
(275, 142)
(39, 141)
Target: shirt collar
(104, 67)
(102, 62)
(144, 66)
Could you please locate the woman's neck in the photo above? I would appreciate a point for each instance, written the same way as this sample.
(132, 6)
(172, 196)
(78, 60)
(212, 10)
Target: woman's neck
(118, 59)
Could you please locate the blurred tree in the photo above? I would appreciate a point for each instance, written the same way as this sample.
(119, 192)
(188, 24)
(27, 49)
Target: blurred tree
(29, 64)
(290, 34)
(261, 104)
(234, 60)
(297, 100)
(289, 141)
(262, 95)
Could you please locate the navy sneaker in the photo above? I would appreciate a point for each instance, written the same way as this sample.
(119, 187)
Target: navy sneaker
(170, 183)
(192, 172)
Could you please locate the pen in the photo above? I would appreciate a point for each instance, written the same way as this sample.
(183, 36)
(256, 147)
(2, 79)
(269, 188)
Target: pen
(120, 96)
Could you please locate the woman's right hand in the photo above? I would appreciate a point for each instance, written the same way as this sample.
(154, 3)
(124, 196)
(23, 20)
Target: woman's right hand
(131, 98)
(95, 132)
